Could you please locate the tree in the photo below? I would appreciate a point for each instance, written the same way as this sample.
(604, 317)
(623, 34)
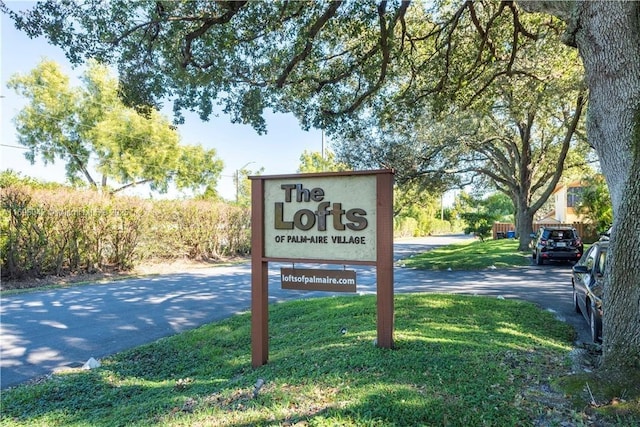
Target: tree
(499, 205)
(312, 161)
(9, 177)
(327, 62)
(517, 144)
(90, 128)
(607, 35)
(518, 136)
(419, 149)
(595, 203)
(479, 223)
(522, 144)
(416, 211)
(243, 185)
(480, 213)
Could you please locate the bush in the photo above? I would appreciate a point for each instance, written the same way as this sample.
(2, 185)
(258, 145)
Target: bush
(196, 229)
(480, 224)
(54, 232)
(62, 231)
(405, 227)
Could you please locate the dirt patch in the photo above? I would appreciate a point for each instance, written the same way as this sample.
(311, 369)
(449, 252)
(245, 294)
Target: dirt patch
(109, 274)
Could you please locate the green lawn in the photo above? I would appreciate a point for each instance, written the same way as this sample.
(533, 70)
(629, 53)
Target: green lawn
(473, 255)
(458, 361)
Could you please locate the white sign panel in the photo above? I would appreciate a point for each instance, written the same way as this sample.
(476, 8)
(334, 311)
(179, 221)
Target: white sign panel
(321, 218)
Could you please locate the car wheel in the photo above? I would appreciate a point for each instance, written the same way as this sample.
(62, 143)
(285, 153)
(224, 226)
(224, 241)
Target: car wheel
(595, 328)
(539, 260)
(576, 306)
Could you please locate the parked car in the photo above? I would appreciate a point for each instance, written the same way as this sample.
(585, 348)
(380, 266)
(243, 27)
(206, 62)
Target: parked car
(588, 281)
(556, 243)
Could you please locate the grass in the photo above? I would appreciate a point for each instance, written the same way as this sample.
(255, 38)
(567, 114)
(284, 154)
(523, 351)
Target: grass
(612, 396)
(457, 361)
(474, 255)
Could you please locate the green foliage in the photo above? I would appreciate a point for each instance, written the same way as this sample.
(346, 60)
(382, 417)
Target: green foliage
(479, 214)
(243, 185)
(9, 177)
(420, 150)
(319, 162)
(323, 61)
(475, 255)
(90, 128)
(196, 229)
(500, 206)
(406, 226)
(418, 218)
(479, 223)
(418, 212)
(329, 61)
(595, 204)
(231, 54)
(62, 231)
(518, 133)
(458, 360)
(55, 232)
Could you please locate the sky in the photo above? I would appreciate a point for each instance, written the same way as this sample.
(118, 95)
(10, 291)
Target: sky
(278, 152)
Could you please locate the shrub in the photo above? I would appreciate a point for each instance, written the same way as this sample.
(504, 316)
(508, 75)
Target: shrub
(53, 232)
(60, 231)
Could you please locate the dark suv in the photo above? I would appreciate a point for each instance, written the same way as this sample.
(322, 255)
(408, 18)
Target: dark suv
(556, 243)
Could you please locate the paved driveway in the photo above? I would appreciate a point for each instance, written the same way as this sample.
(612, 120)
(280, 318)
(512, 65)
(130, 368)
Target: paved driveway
(44, 331)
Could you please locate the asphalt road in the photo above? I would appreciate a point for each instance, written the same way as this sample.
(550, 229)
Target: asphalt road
(42, 332)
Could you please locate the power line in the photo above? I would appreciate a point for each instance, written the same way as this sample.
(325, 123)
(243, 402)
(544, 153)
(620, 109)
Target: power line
(14, 146)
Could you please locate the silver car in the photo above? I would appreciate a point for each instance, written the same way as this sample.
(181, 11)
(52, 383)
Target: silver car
(588, 282)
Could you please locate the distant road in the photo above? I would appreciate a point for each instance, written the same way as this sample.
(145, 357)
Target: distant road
(41, 332)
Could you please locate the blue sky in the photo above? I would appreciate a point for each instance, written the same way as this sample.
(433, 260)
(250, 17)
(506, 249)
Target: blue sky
(278, 152)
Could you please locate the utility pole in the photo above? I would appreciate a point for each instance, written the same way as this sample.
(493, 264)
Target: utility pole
(238, 180)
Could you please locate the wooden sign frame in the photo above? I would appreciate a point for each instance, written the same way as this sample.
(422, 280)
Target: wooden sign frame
(260, 262)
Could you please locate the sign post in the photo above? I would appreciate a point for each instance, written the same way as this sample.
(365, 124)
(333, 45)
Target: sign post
(328, 218)
(384, 260)
(259, 280)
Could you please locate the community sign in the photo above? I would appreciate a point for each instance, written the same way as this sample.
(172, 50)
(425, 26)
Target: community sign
(322, 218)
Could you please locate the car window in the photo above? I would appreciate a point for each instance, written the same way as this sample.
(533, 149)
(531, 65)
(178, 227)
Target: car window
(583, 260)
(591, 259)
(602, 259)
(561, 234)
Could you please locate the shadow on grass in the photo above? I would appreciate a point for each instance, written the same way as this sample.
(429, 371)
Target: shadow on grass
(471, 256)
(457, 361)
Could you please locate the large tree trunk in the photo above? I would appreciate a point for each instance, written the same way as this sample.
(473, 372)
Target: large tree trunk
(621, 323)
(524, 229)
(607, 35)
(524, 224)
(608, 38)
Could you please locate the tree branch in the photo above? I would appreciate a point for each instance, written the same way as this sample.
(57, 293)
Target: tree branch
(580, 102)
(385, 48)
(233, 7)
(311, 34)
(131, 184)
